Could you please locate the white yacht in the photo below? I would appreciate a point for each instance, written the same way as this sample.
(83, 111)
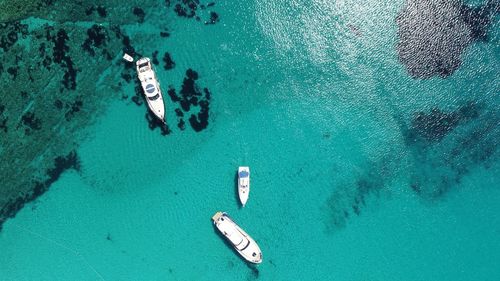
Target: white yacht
(241, 241)
(243, 184)
(151, 88)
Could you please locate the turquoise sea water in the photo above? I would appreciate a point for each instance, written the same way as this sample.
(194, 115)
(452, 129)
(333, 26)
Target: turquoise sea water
(311, 96)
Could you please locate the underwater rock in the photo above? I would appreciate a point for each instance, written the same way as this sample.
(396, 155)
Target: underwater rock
(214, 18)
(434, 34)
(138, 98)
(47, 60)
(173, 96)
(97, 38)
(128, 69)
(90, 10)
(190, 9)
(435, 125)
(181, 124)
(29, 120)
(73, 109)
(101, 11)
(182, 11)
(200, 121)
(155, 58)
(189, 90)
(13, 72)
(207, 93)
(140, 14)
(179, 112)
(128, 73)
(127, 77)
(446, 146)
(127, 46)
(3, 120)
(58, 104)
(191, 97)
(61, 57)
(9, 34)
(169, 63)
(3, 124)
(348, 200)
(480, 18)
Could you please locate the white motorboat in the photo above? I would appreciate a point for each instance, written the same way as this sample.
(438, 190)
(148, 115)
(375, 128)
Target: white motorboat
(241, 241)
(151, 88)
(128, 57)
(243, 184)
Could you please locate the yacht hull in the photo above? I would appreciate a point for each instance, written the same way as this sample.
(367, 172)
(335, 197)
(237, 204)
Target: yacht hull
(241, 241)
(243, 184)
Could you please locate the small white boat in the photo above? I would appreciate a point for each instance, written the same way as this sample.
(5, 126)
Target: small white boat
(241, 241)
(151, 88)
(243, 184)
(128, 58)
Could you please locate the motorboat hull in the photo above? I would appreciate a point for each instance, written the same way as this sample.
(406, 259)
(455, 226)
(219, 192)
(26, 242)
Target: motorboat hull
(157, 108)
(243, 184)
(241, 241)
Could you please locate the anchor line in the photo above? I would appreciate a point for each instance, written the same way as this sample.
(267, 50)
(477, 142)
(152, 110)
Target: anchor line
(76, 253)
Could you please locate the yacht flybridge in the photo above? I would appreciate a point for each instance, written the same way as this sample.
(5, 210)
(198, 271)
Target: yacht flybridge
(241, 241)
(151, 88)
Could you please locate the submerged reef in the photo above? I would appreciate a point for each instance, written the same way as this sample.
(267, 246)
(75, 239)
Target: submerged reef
(169, 63)
(71, 11)
(61, 164)
(446, 145)
(441, 146)
(61, 65)
(435, 125)
(349, 199)
(191, 96)
(140, 14)
(434, 34)
(58, 73)
(194, 9)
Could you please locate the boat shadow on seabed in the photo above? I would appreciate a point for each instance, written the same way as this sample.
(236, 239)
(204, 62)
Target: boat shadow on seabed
(236, 195)
(154, 123)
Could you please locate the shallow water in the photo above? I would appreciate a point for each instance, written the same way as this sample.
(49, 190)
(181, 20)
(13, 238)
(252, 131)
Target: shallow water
(360, 170)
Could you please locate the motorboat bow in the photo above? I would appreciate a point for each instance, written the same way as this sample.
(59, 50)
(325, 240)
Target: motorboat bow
(243, 184)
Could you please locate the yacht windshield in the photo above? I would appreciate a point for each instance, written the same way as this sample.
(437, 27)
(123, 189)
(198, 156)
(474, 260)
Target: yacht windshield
(155, 97)
(243, 174)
